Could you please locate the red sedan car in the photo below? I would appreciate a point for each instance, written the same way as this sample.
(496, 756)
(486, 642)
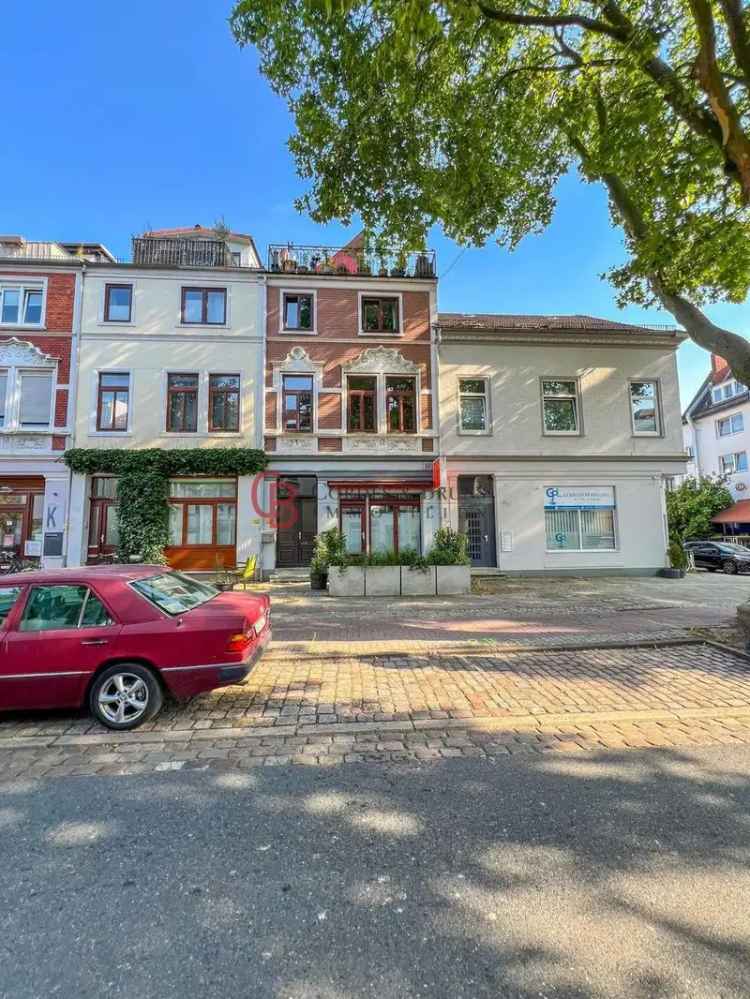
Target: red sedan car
(118, 637)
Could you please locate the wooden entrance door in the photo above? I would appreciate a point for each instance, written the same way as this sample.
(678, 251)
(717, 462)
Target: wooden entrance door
(298, 521)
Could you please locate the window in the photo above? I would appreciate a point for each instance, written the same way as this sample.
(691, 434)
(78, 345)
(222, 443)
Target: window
(62, 607)
(35, 409)
(204, 306)
(689, 451)
(729, 389)
(8, 597)
(182, 404)
(298, 312)
(644, 408)
(580, 519)
(21, 305)
(118, 302)
(560, 406)
(202, 512)
(298, 403)
(236, 258)
(472, 411)
(731, 463)
(401, 405)
(734, 424)
(113, 402)
(716, 395)
(224, 402)
(380, 315)
(174, 593)
(395, 526)
(362, 407)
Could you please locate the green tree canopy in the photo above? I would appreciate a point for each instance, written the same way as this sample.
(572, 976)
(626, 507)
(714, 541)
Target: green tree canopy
(691, 506)
(467, 112)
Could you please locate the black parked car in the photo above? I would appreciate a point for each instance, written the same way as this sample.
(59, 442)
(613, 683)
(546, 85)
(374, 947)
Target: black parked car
(713, 555)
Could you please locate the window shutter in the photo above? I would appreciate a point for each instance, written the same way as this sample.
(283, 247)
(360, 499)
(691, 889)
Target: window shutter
(36, 399)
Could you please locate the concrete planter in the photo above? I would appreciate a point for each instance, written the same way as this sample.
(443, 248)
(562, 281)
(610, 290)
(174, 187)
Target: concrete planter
(383, 581)
(453, 579)
(348, 582)
(418, 582)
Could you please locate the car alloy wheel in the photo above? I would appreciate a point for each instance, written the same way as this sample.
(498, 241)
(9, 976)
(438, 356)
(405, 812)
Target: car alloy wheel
(729, 567)
(125, 695)
(123, 698)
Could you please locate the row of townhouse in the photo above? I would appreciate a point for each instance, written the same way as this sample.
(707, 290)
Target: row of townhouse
(548, 440)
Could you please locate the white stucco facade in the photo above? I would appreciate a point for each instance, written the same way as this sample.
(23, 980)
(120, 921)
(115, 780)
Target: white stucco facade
(524, 468)
(720, 443)
(154, 343)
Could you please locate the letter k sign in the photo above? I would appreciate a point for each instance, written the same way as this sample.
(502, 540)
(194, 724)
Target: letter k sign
(52, 517)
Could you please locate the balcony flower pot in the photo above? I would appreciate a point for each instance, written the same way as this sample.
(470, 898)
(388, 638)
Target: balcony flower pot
(346, 582)
(418, 582)
(342, 269)
(453, 579)
(289, 266)
(303, 269)
(398, 272)
(383, 581)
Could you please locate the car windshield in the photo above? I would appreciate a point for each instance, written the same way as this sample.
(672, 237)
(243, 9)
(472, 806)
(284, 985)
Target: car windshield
(174, 593)
(733, 549)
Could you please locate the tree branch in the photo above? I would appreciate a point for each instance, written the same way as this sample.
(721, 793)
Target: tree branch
(738, 35)
(734, 140)
(550, 20)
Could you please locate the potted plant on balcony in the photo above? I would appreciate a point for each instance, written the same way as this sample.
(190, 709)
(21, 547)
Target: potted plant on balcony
(383, 268)
(399, 270)
(423, 266)
(678, 560)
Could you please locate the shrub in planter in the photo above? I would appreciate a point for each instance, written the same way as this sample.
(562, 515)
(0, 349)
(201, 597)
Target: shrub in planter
(449, 548)
(678, 561)
(329, 547)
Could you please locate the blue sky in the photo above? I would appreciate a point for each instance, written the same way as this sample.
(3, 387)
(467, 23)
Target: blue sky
(120, 117)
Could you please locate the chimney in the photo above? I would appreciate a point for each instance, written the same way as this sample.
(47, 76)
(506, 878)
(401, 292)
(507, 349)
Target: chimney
(717, 364)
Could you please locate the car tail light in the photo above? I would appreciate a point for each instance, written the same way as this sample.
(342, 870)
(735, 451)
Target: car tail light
(240, 640)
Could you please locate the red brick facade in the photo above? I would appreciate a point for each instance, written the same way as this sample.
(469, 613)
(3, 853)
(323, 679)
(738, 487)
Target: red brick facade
(56, 334)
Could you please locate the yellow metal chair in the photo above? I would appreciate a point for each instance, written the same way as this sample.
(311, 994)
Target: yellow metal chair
(247, 575)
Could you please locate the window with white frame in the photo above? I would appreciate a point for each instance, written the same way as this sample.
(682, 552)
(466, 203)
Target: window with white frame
(580, 518)
(729, 425)
(644, 408)
(560, 406)
(731, 463)
(472, 405)
(26, 398)
(21, 304)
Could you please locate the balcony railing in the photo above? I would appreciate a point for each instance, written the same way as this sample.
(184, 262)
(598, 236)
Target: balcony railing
(295, 259)
(33, 251)
(180, 252)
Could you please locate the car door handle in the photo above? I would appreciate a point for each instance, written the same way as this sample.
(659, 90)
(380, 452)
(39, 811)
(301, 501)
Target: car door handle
(93, 641)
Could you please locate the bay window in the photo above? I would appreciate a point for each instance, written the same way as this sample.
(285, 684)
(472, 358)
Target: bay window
(401, 405)
(362, 407)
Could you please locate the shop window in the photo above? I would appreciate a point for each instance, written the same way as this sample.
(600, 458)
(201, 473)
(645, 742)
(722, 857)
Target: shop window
(580, 519)
(224, 402)
(362, 408)
(644, 408)
(401, 405)
(380, 315)
(113, 403)
(202, 513)
(182, 403)
(472, 405)
(118, 303)
(299, 313)
(204, 306)
(394, 525)
(298, 403)
(560, 406)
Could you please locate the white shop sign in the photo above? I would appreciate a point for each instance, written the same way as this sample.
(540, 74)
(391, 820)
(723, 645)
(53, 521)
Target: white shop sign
(579, 497)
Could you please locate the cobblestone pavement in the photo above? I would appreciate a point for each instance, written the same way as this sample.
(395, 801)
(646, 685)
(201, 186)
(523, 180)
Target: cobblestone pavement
(325, 705)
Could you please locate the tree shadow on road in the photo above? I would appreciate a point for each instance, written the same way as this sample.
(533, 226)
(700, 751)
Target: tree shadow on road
(623, 874)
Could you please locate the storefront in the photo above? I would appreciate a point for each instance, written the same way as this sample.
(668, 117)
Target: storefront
(202, 524)
(378, 518)
(22, 516)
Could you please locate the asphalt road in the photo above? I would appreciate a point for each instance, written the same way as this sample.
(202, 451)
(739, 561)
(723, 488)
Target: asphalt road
(623, 875)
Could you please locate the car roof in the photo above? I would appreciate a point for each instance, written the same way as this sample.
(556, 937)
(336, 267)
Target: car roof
(108, 573)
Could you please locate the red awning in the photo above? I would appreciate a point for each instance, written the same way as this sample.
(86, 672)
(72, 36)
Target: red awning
(410, 485)
(738, 513)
